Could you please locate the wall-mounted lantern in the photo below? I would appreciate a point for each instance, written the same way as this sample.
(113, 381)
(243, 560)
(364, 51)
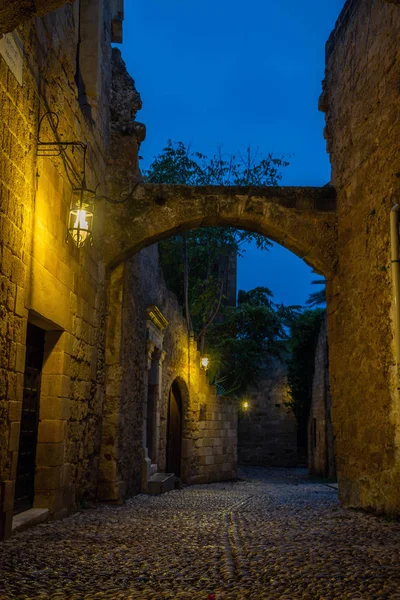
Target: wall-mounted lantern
(204, 362)
(80, 225)
(245, 405)
(80, 220)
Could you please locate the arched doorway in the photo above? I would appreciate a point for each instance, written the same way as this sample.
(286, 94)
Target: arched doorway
(174, 430)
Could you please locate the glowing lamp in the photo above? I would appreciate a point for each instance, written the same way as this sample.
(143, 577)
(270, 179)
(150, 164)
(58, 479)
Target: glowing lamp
(81, 216)
(245, 405)
(204, 362)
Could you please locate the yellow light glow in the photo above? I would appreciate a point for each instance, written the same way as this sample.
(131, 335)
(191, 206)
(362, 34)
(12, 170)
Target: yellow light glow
(81, 216)
(245, 405)
(81, 221)
(204, 362)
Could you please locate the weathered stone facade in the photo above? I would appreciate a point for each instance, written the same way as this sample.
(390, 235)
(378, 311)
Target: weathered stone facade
(321, 452)
(267, 433)
(361, 101)
(87, 425)
(44, 279)
(209, 423)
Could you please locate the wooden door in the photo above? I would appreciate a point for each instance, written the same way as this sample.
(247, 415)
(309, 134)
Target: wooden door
(24, 486)
(174, 439)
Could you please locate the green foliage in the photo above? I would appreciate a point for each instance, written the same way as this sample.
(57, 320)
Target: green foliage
(178, 164)
(243, 343)
(303, 339)
(317, 298)
(208, 249)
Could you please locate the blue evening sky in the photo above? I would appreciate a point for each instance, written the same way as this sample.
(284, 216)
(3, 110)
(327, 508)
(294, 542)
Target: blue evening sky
(229, 73)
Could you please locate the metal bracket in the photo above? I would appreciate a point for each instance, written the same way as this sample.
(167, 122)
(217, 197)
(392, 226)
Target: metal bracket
(58, 147)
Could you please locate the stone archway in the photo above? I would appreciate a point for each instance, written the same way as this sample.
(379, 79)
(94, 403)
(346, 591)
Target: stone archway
(303, 219)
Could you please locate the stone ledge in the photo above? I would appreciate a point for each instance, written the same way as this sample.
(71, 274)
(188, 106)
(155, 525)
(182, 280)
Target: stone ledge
(30, 517)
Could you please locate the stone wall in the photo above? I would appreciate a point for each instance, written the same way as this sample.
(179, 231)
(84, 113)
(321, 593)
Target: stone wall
(90, 432)
(267, 433)
(45, 279)
(321, 453)
(209, 423)
(361, 101)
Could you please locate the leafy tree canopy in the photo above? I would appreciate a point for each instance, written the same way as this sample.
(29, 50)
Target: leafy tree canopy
(248, 337)
(206, 251)
(317, 298)
(178, 164)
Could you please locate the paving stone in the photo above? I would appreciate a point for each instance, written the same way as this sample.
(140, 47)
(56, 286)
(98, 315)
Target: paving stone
(271, 535)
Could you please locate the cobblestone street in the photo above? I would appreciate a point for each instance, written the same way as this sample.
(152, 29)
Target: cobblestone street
(273, 534)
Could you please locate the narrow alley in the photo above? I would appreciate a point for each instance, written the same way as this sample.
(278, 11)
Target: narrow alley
(273, 534)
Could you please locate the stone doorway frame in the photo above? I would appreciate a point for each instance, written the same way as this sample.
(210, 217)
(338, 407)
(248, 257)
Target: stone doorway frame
(156, 325)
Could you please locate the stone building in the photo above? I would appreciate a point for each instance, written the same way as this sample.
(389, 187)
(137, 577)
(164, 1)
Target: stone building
(342, 231)
(267, 430)
(321, 452)
(172, 420)
(94, 361)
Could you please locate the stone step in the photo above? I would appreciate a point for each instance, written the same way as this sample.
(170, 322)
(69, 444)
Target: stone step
(153, 469)
(161, 483)
(30, 517)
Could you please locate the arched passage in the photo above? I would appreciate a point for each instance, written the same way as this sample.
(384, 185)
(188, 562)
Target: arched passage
(303, 219)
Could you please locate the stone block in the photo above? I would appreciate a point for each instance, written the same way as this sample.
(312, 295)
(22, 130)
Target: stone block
(49, 297)
(58, 341)
(13, 440)
(8, 489)
(14, 410)
(20, 358)
(56, 363)
(48, 478)
(56, 386)
(50, 455)
(51, 499)
(52, 431)
(209, 460)
(55, 408)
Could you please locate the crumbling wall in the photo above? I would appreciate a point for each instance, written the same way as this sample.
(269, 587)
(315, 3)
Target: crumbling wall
(267, 433)
(361, 102)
